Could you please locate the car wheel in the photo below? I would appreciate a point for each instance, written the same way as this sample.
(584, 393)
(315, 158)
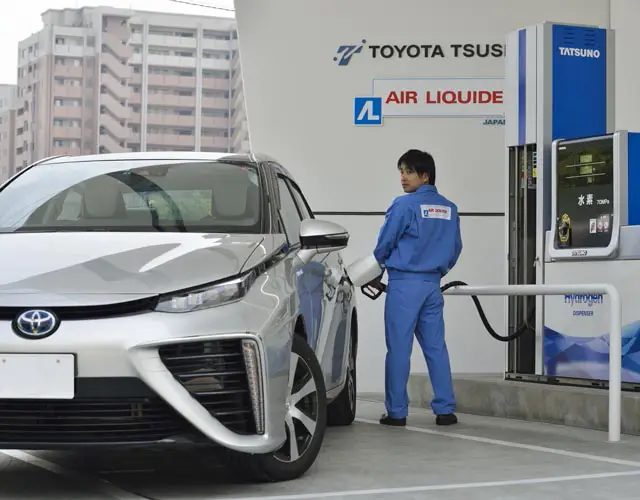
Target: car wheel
(342, 411)
(305, 421)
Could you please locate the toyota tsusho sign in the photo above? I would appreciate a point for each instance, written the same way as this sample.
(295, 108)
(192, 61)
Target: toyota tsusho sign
(418, 51)
(441, 97)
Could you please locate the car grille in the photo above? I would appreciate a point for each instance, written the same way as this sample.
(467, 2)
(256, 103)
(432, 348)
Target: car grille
(118, 420)
(215, 375)
(71, 313)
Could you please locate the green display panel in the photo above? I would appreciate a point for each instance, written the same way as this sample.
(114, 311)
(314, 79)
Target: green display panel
(584, 194)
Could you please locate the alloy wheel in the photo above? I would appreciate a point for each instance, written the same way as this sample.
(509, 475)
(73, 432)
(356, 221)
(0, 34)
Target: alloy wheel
(302, 411)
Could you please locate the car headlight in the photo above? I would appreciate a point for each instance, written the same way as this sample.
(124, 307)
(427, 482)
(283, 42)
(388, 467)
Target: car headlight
(204, 298)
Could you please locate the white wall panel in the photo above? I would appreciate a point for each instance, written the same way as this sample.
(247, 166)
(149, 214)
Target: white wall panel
(625, 16)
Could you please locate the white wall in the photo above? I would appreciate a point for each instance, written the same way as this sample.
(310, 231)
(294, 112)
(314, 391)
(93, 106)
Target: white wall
(625, 15)
(300, 109)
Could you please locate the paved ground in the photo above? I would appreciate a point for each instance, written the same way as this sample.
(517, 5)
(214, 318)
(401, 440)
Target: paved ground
(481, 458)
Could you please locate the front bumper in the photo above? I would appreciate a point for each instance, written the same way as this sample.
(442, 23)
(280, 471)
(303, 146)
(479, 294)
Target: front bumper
(140, 381)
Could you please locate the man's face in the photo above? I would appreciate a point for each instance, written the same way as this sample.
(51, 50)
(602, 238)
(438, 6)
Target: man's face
(410, 180)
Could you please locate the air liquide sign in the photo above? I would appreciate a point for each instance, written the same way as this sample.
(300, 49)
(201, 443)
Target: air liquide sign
(432, 98)
(473, 97)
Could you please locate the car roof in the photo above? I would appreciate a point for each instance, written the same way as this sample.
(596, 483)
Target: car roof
(157, 155)
(165, 155)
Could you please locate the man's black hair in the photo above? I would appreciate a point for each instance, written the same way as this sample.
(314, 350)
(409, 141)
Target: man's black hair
(419, 161)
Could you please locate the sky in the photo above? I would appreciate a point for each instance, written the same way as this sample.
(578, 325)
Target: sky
(24, 19)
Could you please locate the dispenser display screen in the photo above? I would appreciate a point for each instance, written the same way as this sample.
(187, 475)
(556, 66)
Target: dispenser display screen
(584, 203)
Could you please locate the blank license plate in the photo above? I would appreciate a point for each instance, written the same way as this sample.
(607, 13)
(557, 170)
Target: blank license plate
(37, 376)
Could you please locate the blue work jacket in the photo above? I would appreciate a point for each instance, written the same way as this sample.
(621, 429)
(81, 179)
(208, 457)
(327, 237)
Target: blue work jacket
(420, 237)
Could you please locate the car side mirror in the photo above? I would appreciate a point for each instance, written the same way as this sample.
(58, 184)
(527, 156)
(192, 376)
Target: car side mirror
(321, 236)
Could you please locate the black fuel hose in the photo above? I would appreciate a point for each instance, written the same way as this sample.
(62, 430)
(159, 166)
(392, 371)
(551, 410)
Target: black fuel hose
(373, 293)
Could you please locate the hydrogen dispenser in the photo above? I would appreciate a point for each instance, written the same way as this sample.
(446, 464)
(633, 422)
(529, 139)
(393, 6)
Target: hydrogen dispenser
(595, 238)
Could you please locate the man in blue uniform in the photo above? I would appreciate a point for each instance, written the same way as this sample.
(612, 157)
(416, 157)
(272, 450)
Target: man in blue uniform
(418, 244)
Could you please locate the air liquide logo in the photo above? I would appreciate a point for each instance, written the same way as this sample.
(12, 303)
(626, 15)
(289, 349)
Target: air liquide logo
(574, 52)
(583, 303)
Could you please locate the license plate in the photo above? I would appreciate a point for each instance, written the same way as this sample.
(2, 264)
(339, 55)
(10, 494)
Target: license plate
(37, 376)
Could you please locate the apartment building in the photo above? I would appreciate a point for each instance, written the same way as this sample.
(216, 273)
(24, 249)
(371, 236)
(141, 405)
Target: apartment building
(100, 79)
(239, 120)
(7, 130)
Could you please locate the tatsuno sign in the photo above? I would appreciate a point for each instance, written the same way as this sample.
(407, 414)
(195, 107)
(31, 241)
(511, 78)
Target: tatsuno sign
(441, 97)
(574, 52)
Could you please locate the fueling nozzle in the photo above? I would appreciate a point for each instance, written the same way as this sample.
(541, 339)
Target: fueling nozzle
(365, 271)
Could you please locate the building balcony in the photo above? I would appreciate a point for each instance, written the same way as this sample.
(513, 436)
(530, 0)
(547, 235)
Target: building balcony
(209, 82)
(67, 91)
(215, 103)
(171, 140)
(216, 64)
(171, 120)
(172, 81)
(176, 42)
(66, 133)
(172, 100)
(55, 151)
(67, 70)
(214, 142)
(171, 61)
(67, 112)
(70, 51)
(221, 45)
(214, 122)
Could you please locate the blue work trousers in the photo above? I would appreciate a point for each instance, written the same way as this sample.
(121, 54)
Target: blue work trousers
(415, 306)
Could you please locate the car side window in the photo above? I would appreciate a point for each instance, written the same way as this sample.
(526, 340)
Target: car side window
(289, 213)
(303, 206)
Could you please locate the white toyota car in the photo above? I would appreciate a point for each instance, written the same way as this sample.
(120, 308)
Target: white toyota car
(169, 299)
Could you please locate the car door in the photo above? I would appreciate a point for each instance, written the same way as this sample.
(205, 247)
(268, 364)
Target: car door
(330, 343)
(309, 278)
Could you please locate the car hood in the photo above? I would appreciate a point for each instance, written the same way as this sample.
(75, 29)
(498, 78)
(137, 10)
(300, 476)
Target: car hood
(108, 264)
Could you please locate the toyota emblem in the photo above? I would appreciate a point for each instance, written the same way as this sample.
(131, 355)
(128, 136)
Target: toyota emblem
(36, 324)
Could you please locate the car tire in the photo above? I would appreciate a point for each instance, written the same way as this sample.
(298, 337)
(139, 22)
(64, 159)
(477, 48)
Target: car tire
(342, 410)
(312, 407)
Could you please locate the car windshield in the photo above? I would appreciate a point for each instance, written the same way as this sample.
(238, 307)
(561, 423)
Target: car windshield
(135, 196)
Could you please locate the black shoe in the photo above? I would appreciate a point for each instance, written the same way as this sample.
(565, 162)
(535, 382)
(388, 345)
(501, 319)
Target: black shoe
(394, 422)
(449, 419)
